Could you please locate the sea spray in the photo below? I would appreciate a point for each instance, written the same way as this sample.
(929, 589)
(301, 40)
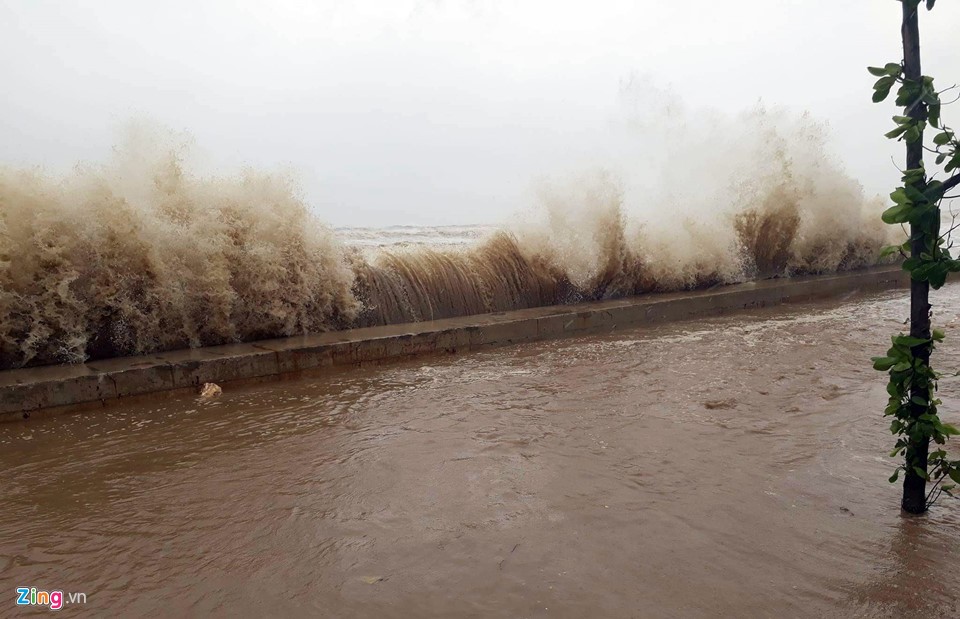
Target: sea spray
(141, 255)
(89, 268)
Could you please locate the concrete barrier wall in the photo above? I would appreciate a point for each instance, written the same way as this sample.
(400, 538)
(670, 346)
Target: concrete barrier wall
(63, 388)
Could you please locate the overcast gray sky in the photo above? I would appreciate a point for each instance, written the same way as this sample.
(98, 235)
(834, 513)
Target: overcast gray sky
(437, 112)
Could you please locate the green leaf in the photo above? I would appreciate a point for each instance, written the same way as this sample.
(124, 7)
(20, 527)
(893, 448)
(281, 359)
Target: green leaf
(884, 83)
(906, 95)
(930, 97)
(919, 401)
(938, 277)
(878, 71)
(882, 88)
(938, 335)
(932, 192)
(954, 475)
(949, 429)
(914, 175)
(922, 272)
(899, 195)
(895, 475)
(930, 4)
(915, 195)
(942, 138)
(889, 250)
(933, 114)
(953, 163)
(883, 363)
(909, 340)
(920, 473)
(903, 366)
(895, 133)
(892, 69)
(896, 214)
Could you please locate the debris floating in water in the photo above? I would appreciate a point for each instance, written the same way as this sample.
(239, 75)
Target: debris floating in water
(210, 390)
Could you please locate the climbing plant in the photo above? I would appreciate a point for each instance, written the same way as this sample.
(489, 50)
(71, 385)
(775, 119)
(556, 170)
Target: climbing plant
(916, 202)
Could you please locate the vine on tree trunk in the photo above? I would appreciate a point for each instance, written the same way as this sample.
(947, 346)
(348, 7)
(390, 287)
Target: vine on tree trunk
(913, 382)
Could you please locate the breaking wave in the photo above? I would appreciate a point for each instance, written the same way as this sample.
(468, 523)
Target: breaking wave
(138, 255)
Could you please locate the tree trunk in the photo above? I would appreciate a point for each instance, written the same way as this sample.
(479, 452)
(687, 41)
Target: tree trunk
(914, 486)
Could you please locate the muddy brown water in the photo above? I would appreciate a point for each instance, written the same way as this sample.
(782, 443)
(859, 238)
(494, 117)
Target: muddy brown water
(732, 467)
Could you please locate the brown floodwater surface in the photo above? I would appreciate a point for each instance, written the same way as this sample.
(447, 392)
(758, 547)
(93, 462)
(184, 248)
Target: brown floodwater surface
(731, 467)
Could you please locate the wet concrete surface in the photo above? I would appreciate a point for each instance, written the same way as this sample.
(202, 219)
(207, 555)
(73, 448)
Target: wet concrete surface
(31, 392)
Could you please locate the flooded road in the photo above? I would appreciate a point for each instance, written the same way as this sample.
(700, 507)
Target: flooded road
(732, 467)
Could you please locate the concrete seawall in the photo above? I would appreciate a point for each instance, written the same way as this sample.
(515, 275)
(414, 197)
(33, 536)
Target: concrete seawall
(25, 392)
